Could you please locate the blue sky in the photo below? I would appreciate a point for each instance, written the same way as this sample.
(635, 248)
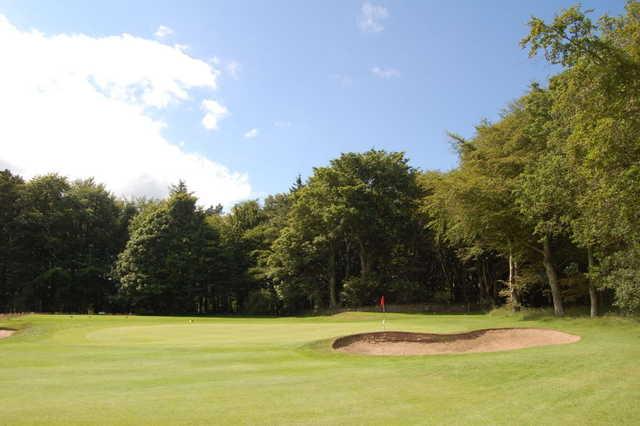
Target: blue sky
(313, 79)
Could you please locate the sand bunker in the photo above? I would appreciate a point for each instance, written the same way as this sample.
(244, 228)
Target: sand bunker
(6, 333)
(490, 340)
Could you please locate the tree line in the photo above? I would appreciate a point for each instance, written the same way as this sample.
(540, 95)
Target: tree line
(554, 185)
(542, 209)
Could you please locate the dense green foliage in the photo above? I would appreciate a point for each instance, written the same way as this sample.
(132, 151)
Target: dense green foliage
(58, 243)
(554, 184)
(79, 370)
(352, 232)
(543, 208)
(171, 254)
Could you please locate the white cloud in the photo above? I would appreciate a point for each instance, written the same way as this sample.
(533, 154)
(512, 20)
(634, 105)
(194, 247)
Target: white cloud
(84, 106)
(252, 134)
(282, 124)
(371, 17)
(385, 73)
(163, 31)
(181, 47)
(214, 112)
(234, 68)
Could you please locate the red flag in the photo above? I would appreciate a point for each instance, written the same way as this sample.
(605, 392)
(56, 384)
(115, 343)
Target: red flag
(382, 302)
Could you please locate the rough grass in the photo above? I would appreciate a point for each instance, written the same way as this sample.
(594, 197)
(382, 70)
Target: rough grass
(155, 370)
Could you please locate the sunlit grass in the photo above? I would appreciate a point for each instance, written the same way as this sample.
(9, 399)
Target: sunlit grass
(158, 370)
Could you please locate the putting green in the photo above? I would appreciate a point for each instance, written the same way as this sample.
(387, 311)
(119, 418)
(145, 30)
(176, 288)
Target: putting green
(155, 370)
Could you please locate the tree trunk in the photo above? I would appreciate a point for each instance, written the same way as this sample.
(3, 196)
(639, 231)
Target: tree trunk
(552, 276)
(510, 281)
(516, 296)
(513, 272)
(332, 278)
(347, 261)
(593, 293)
(447, 279)
(482, 280)
(365, 265)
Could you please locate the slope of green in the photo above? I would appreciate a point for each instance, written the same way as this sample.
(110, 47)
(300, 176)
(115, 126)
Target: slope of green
(160, 370)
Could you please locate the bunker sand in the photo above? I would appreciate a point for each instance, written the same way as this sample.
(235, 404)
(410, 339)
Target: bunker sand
(6, 333)
(489, 340)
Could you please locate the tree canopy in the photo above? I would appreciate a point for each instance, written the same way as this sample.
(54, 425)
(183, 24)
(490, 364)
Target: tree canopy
(543, 209)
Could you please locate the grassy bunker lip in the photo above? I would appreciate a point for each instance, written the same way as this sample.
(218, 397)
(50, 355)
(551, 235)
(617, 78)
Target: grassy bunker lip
(401, 343)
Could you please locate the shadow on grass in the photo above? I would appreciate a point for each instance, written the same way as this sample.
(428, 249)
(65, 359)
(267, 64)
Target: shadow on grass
(5, 332)
(544, 314)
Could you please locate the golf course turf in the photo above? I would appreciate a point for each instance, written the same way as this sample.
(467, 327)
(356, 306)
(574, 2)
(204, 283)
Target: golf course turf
(62, 369)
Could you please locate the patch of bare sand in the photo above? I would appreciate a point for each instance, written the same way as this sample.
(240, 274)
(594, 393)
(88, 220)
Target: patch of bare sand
(6, 333)
(490, 340)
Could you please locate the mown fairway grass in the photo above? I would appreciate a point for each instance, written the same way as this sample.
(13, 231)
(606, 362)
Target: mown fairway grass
(155, 370)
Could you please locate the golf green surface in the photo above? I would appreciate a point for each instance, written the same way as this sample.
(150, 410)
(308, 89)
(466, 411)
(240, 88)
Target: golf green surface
(61, 369)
